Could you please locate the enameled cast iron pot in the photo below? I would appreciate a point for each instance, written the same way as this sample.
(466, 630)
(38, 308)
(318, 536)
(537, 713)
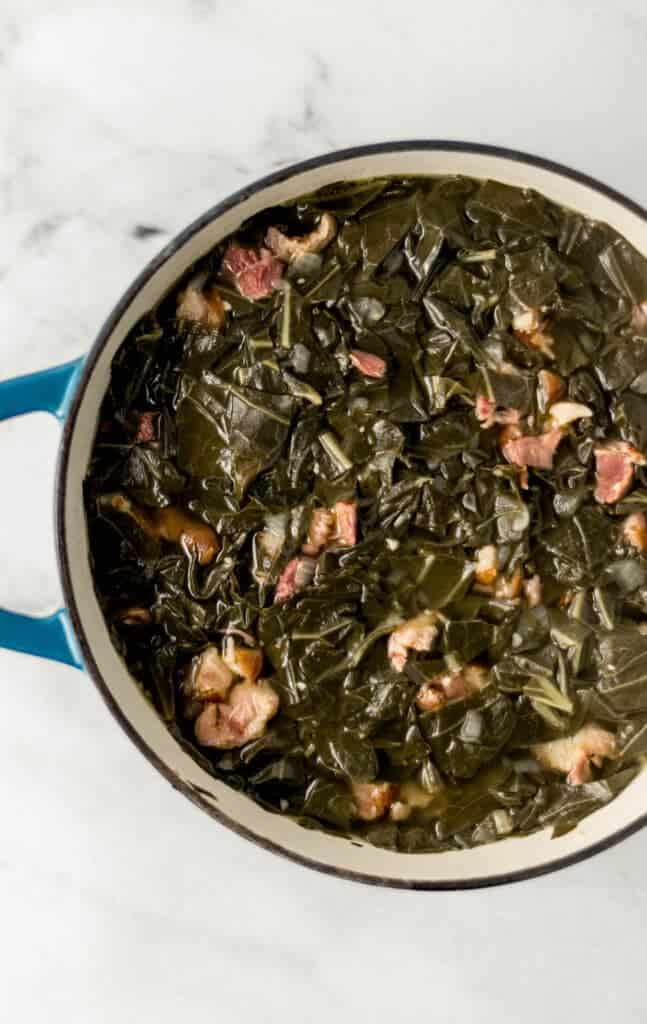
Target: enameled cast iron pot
(78, 635)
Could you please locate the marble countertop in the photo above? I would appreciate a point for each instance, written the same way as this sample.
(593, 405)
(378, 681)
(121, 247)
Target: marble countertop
(119, 900)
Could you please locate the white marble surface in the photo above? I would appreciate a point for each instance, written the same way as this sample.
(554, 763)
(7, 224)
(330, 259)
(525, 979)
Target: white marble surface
(118, 900)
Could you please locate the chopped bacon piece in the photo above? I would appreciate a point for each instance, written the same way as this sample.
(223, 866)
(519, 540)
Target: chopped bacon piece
(639, 316)
(290, 249)
(417, 634)
(509, 588)
(320, 530)
(485, 409)
(572, 755)
(345, 513)
(614, 470)
(550, 388)
(486, 564)
(146, 427)
(373, 799)
(527, 321)
(242, 718)
(435, 693)
(367, 363)
(430, 697)
(399, 811)
(208, 678)
(243, 661)
(537, 451)
(634, 531)
(255, 273)
(296, 575)
(529, 328)
(332, 526)
(201, 307)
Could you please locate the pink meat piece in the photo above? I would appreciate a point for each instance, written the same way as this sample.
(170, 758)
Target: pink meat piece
(345, 513)
(536, 451)
(291, 248)
(634, 531)
(572, 755)
(254, 272)
(484, 410)
(367, 363)
(417, 634)
(639, 316)
(335, 526)
(320, 530)
(242, 718)
(209, 677)
(146, 427)
(296, 575)
(614, 470)
(373, 799)
(435, 693)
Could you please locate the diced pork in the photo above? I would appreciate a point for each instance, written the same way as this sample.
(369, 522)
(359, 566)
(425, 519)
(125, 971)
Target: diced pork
(171, 524)
(532, 590)
(208, 678)
(614, 470)
(484, 409)
(448, 686)
(335, 526)
(527, 321)
(533, 450)
(529, 328)
(289, 249)
(296, 575)
(430, 697)
(201, 307)
(634, 531)
(367, 363)
(320, 530)
(417, 634)
(487, 560)
(345, 513)
(399, 811)
(550, 388)
(243, 717)
(243, 661)
(509, 587)
(146, 427)
(373, 799)
(639, 316)
(572, 755)
(255, 273)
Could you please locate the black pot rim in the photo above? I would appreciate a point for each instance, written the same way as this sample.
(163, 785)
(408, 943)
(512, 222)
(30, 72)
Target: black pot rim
(194, 794)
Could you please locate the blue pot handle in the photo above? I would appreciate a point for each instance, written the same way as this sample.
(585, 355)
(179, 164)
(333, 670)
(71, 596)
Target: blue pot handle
(48, 391)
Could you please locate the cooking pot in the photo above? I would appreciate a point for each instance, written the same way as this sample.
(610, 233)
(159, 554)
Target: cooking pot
(78, 634)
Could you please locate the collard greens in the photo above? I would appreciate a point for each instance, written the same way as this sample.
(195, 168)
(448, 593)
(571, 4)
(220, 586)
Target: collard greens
(391, 359)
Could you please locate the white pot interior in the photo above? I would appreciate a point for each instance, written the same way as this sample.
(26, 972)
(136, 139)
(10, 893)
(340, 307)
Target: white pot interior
(477, 865)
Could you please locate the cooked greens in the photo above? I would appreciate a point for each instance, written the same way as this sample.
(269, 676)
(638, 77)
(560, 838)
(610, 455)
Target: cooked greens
(367, 511)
